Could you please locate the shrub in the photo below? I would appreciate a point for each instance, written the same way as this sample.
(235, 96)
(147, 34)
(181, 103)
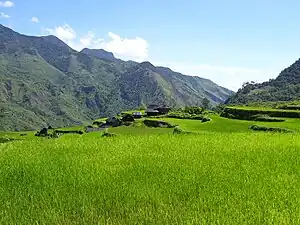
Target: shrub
(114, 121)
(290, 107)
(193, 110)
(266, 118)
(6, 139)
(69, 132)
(127, 118)
(42, 133)
(269, 129)
(106, 133)
(205, 119)
(179, 130)
(127, 123)
(98, 123)
(246, 114)
(157, 123)
(54, 135)
(182, 115)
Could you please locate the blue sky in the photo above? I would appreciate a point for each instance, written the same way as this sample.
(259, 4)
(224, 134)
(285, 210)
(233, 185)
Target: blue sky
(228, 42)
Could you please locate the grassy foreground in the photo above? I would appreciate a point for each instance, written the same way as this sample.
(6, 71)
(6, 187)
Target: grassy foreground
(210, 178)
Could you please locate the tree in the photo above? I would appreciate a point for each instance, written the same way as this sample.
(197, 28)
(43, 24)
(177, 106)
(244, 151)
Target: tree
(205, 103)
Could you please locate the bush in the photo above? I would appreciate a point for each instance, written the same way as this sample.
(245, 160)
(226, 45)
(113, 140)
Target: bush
(246, 114)
(127, 123)
(290, 107)
(205, 119)
(69, 132)
(114, 121)
(179, 130)
(157, 123)
(106, 133)
(98, 123)
(182, 115)
(6, 139)
(193, 110)
(269, 129)
(56, 133)
(266, 118)
(127, 118)
(42, 133)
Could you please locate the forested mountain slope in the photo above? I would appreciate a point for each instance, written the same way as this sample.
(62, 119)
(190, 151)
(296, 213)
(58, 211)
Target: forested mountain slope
(286, 87)
(45, 82)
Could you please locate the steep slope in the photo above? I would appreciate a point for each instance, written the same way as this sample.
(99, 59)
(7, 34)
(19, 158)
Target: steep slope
(100, 53)
(45, 82)
(286, 87)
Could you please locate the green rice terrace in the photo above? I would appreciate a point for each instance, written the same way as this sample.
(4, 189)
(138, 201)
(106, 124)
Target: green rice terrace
(239, 165)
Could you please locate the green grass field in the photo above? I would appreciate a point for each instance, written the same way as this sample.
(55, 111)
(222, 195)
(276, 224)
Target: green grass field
(215, 178)
(225, 174)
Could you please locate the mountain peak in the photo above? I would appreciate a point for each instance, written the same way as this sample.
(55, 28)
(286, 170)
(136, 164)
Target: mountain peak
(76, 87)
(147, 65)
(55, 40)
(99, 53)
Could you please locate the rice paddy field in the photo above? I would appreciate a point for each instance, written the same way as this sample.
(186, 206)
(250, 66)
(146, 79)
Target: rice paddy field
(223, 173)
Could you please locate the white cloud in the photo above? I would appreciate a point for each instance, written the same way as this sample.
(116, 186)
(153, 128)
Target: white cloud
(126, 48)
(3, 15)
(135, 48)
(87, 40)
(65, 33)
(7, 4)
(227, 76)
(35, 20)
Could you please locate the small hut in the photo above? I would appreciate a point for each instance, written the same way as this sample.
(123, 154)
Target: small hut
(152, 112)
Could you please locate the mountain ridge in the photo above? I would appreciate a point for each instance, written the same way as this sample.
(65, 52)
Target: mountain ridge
(45, 82)
(285, 87)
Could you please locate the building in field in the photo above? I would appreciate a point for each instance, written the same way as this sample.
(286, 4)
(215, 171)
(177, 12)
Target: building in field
(154, 110)
(137, 115)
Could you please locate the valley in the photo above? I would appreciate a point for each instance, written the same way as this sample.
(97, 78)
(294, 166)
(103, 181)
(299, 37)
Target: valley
(210, 171)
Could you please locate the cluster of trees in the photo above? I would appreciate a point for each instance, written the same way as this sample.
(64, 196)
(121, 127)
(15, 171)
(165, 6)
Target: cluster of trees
(286, 87)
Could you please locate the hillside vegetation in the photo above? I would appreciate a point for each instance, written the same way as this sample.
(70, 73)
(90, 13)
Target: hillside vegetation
(45, 82)
(286, 87)
(157, 170)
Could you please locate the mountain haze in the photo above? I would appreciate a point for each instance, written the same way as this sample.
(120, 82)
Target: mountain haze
(45, 82)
